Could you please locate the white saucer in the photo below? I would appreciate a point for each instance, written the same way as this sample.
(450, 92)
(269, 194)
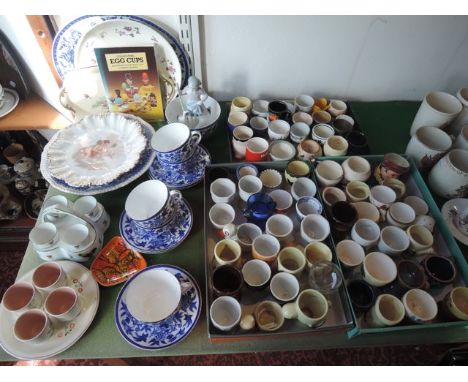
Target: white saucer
(65, 334)
(462, 206)
(10, 101)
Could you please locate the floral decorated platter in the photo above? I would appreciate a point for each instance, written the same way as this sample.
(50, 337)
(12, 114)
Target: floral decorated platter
(116, 263)
(162, 239)
(74, 43)
(457, 222)
(89, 159)
(64, 334)
(156, 336)
(179, 176)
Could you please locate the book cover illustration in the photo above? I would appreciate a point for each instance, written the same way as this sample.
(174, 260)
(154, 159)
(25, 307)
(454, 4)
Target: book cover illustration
(131, 82)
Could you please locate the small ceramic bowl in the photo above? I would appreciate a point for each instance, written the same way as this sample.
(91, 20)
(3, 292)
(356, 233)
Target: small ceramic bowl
(282, 150)
(271, 179)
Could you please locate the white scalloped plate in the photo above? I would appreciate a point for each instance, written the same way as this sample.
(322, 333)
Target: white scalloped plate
(95, 150)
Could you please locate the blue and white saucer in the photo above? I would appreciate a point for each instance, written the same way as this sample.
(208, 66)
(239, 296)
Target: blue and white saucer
(155, 336)
(180, 175)
(161, 239)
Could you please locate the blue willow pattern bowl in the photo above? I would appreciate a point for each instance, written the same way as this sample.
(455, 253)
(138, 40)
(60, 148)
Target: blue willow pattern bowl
(154, 336)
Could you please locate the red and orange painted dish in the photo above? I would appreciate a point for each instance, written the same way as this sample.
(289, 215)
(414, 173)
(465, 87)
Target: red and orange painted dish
(116, 263)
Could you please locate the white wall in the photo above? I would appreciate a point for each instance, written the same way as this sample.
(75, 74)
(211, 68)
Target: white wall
(351, 57)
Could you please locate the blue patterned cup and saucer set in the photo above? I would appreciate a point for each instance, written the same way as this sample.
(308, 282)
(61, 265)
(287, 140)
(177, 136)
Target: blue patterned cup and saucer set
(158, 307)
(180, 161)
(155, 220)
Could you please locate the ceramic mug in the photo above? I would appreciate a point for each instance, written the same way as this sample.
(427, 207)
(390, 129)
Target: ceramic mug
(455, 303)
(299, 132)
(393, 166)
(237, 118)
(291, 260)
(420, 306)
(33, 326)
(63, 304)
(281, 150)
(240, 136)
(379, 269)
(223, 190)
(310, 308)
(243, 104)
(225, 313)
(462, 140)
(304, 103)
(227, 252)
(256, 149)
(462, 118)
(343, 216)
(151, 204)
(283, 200)
(14, 152)
(387, 311)
(256, 273)
(308, 150)
(268, 316)
(396, 185)
(427, 146)
(21, 297)
(284, 286)
(175, 142)
(335, 146)
(418, 204)
(437, 109)
(449, 177)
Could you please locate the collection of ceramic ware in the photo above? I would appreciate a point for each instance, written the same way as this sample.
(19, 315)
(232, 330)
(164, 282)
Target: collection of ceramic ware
(280, 130)
(439, 147)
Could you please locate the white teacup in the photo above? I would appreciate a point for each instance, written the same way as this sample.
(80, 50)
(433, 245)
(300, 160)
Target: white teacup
(335, 146)
(365, 232)
(244, 234)
(225, 313)
(331, 195)
(303, 187)
(419, 206)
(449, 177)
(151, 204)
(379, 269)
(382, 196)
(249, 185)
(278, 129)
(283, 200)
(437, 109)
(291, 260)
(259, 125)
(367, 210)
(356, 168)
(337, 107)
(260, 108)
(256, 273)
(33, 326)
(419, 305)
(227, 252)
(329, 173)
(21, 297)
(284, 286)
(269, 316)
(308, 205)
(282, 150)
(310, 308)
(299, 132)
(279, 226)
(240, 103)
(237, 118)
(357, 191)
(223, 190)
(393, 241)
(304, 103)
(427, 145)
(350, 253)
(154, 295)
(63, 304)
(301, 116)
(387, 311)
(322, 132)
(421, 239)
(314, 228)
(317, 252)
(400, 215)
(221, 214)
(49, 276)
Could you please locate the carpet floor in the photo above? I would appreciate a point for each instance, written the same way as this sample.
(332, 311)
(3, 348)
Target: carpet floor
(10, 260)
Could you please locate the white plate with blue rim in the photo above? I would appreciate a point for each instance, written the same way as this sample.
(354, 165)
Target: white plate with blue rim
(179, 176)
(69, 39)
(162, 239)
(169, 332)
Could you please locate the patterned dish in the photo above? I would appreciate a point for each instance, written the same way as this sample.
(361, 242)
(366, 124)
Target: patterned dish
(145, 159)
(155, 336)
(64, 335)
(160, 239)
(69, 38)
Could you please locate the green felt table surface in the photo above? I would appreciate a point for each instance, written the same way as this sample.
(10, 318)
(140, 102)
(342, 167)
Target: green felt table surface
(102, 340)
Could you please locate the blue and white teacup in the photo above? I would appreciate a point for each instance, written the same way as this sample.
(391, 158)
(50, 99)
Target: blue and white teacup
(175, 143)
(151, 205)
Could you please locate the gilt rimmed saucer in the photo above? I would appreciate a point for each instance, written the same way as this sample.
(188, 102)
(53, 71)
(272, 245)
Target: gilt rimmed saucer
(180, 175)
(162, 239)
(155, 336)
(453, 224)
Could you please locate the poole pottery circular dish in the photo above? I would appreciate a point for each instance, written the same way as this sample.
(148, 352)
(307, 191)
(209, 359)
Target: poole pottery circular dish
(181, 175)
(160, 335)
(64, 334)
(162, 239)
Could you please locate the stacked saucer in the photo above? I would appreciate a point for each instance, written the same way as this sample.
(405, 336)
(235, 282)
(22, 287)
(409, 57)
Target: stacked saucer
(155, 220)
(180, 161)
